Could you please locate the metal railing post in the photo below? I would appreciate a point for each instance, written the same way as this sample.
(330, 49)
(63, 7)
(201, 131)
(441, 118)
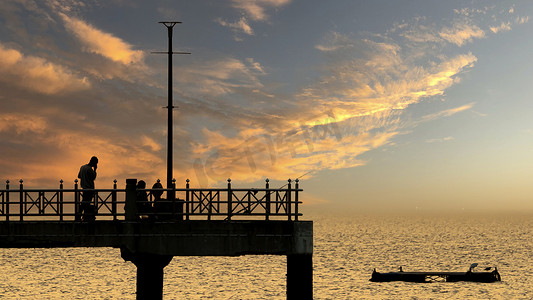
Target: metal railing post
(209, 197)
(174, 207)
(267, 199)
(249, 208)
(21, 200)
(60, 200)
(289, 200)
(187, 199)
(7, 200)
(297, 187)
(114, 200)
(94, 200)
(230, 197)
(77, 215)
(40, 202)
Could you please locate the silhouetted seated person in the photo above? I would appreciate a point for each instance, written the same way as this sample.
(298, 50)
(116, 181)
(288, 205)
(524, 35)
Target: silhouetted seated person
(144, 207)
(163, 208)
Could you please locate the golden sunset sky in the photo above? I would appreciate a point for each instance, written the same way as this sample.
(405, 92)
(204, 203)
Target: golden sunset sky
(374, 105)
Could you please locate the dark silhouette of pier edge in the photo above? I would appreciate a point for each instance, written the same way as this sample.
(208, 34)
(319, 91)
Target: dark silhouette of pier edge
(211, 222)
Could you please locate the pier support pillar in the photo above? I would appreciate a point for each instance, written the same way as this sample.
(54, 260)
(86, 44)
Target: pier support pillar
(300, 276)
(149, 273)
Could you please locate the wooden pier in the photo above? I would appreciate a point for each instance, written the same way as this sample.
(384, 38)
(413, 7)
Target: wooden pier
(202, 222)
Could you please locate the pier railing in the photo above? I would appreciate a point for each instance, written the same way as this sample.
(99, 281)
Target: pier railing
(18, 203)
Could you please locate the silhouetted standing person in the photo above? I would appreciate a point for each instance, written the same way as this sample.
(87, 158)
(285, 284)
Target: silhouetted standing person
(87, 175)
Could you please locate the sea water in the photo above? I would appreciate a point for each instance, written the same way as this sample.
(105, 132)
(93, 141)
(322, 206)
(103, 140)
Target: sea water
(346, 250)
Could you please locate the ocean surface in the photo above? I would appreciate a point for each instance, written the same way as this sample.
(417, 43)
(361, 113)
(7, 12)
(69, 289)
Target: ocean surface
(346, 249)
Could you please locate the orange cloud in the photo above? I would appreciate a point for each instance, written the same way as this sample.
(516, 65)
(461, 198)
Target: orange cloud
(21, 123)
(354, 108)
(120, 157)
(461, 33)
(102, 43)
(37, 74)
(503, 27)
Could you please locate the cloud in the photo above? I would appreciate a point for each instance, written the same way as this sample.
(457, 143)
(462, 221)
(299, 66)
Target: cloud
(335, 41)
(222, 76)
(232, 122)
(37, 74)
(240, 26)
(42, 140)
(22, 123)
(461, 33)
(441, 140)
(102, 43)
(355, 107)
(151, 143)
(256, 9)
(447, 112)
(522, 20)
(255, 65)
(503, 27)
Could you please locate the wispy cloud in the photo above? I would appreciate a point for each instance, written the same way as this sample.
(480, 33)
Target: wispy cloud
(461, 33)
(256, 9)
(240, 26)
(447, 112)
(503, 27)
(221, 76)
(355, 107)
(102, 43)
(232, 122)
(441, 140)
(522, 20)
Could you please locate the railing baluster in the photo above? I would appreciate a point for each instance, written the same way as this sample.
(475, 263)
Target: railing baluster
(95, 203)
(289, 200)
(60, 200)
(249, 209)
(21, 200)
(209, 205)
(230, 196)
(114, 200)
(174, 208)
(187, 200)
(267, 195)
(77, 216)
(40, 203)
(7, 200)
(297, 187)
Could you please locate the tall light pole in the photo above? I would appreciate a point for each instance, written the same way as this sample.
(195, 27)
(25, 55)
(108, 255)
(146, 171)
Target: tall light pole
(170, 106)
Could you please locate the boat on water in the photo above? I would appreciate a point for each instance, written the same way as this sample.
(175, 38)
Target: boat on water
(489, 275)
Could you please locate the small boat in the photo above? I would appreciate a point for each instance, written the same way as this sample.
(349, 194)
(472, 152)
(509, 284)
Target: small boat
(470, 275)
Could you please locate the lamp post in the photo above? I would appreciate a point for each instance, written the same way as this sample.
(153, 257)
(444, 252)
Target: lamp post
(170, 106)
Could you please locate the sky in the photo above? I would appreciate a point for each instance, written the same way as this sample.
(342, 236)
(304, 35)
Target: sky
(373, 105)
